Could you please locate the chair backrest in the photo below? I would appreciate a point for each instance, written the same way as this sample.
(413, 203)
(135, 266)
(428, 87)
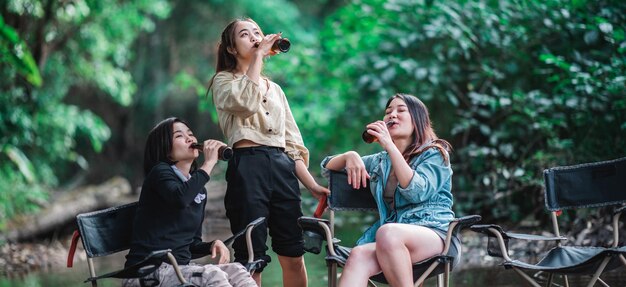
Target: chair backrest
(107, 231)
(344, 197)
(586, 185)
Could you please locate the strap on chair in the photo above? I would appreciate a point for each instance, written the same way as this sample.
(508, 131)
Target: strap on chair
(321, 206)
(70, 255)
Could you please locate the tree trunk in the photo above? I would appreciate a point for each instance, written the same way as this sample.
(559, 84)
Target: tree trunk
(63, 210)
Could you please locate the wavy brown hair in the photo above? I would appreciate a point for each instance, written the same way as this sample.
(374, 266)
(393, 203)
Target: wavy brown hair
(422, 129)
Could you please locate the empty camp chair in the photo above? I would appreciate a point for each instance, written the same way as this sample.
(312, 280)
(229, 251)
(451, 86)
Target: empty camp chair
(108, 231)
(344, 197)
(571, 187)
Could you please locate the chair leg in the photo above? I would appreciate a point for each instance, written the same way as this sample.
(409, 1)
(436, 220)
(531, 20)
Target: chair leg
(599, 271)
(440, 280)
(525, 276)
(550, 275)
(446, 275)
(603, 283)
(426, 273)
(621, 258)
(92, 272)
(332, 274)
(566, 281)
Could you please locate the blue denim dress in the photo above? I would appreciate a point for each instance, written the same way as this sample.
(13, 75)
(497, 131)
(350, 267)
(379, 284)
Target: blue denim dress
(426, 201)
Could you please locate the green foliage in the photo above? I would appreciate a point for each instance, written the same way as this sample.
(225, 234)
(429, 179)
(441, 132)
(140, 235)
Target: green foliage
(14, 52)
(517, 86)
(81, 47)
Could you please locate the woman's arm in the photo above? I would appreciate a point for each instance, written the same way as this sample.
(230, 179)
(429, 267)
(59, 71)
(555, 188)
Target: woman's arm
(403, 171)
(309, 182)
(429, 176)
(172, 190)
(240, 96)
(262, 51)
(354, 166)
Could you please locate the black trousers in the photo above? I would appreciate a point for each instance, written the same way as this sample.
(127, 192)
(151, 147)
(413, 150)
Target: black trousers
(262, 182)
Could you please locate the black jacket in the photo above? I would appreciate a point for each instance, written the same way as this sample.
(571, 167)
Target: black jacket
(169, 215)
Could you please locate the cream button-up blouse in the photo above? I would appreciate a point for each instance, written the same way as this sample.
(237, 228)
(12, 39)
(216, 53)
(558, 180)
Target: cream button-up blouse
(258, 112)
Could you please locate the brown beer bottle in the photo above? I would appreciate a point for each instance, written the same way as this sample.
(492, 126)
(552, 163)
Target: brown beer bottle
(223, 153)
(281, 45)
(370, 138)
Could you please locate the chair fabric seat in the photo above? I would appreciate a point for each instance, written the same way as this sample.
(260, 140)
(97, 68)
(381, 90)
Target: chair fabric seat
(418, 267)
(583, 260)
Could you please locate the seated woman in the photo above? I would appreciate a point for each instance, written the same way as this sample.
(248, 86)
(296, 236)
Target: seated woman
(411, 181)
(171, 210)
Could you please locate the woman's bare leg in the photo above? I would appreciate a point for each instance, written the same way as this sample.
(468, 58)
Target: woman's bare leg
(294, 271)
(361, 265)
(257, 278)
(398, 246)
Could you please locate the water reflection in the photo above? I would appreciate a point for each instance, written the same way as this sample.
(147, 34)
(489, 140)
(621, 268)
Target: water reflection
(497, 277)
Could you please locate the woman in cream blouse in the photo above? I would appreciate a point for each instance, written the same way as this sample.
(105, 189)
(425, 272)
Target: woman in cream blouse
(269, 154)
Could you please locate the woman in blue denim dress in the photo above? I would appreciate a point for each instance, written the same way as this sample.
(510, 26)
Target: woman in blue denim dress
(411, 182)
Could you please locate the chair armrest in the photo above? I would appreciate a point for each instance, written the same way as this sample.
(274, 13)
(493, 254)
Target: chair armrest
(252, 224)
(206, 250)
(456, 225)
(313, 224)
(619, 210)
(487, 230)
(317, 230)
(502, 238)
(461, 223)
(140, 269)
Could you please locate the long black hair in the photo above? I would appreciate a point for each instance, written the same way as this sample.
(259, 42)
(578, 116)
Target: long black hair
(226, 59)
(159, 145)
(422, 129)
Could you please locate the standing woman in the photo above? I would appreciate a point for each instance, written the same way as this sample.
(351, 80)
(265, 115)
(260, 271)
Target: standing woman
(269, 154)
(171, 211)
(411, 183)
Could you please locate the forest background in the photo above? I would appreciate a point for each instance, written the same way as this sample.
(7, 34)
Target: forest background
(516, 86)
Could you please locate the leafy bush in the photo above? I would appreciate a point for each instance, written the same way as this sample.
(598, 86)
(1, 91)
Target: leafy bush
(517, 86)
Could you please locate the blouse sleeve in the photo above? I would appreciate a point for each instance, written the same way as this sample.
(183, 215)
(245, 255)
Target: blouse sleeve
(240, 96)
(428, 178)
(294, 145)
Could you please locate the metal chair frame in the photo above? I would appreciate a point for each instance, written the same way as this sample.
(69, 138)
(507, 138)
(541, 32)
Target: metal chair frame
(570, 187)
(122, 217)
(326, 228)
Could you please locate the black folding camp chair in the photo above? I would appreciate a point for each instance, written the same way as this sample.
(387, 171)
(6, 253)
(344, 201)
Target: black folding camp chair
(108, 231)
(344, 197)
(581, 186)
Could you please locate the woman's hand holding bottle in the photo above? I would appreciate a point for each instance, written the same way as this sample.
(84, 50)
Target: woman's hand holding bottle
(211, 154)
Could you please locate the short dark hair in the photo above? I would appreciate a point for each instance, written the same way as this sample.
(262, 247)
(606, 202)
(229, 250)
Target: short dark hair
(159, 144)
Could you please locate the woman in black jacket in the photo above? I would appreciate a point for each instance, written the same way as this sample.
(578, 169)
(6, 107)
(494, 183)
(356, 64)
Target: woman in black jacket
(171, 210)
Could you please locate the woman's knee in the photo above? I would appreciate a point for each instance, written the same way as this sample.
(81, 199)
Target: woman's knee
(291, 263)
(387, 237)
(363, 259)
(359, 253)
